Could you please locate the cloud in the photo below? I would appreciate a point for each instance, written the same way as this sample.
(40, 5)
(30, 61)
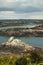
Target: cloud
(21, 8)
(34, 3)
(7, 15)
(13, 15)
(14, 3)
(11, 0)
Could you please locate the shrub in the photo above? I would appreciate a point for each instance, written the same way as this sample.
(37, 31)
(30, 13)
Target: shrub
(21, 61)
(35, 57)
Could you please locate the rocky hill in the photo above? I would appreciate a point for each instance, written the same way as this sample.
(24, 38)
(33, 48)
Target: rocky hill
(17, 47)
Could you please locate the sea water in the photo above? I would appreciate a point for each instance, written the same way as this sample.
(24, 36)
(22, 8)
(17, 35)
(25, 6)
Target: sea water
(35, 41)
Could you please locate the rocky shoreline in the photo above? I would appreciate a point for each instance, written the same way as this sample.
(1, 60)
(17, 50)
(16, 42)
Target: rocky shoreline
(22, 32)
(17, 47)
(36, 31)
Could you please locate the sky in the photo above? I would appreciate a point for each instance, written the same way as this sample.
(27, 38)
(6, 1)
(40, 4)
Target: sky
(21, 9)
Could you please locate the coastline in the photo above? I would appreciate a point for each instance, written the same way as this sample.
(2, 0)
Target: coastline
(36, 31)
(18, 32)
(16, 46)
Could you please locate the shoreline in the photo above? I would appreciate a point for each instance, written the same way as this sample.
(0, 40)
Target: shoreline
(22, 32)
(16, 46)
(36, 31)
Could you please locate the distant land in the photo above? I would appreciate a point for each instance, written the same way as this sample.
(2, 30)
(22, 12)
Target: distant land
(21, 20)
(21, 28)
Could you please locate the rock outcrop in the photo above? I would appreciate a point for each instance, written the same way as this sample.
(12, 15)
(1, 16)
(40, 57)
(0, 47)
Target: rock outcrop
(18, 43)
(16, 46)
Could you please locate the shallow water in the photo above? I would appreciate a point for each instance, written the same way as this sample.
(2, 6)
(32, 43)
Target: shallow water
(35, 41)
(22, 26)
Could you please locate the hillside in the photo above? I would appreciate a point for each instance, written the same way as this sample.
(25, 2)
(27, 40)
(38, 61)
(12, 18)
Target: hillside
(17, 47)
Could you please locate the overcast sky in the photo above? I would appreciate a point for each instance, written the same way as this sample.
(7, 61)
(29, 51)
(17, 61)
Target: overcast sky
(21, 9)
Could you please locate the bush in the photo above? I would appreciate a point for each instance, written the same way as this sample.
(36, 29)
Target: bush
(24, 60)
(7, 60)
(21, 61)
(35, 57)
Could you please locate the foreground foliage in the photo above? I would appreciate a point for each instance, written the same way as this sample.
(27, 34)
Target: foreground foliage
(17, 61)
(33, 59)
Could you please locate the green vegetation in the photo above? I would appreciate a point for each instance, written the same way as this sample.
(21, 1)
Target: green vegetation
(17, 61)
(21, 61)
(7, 60)
(34, 59)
